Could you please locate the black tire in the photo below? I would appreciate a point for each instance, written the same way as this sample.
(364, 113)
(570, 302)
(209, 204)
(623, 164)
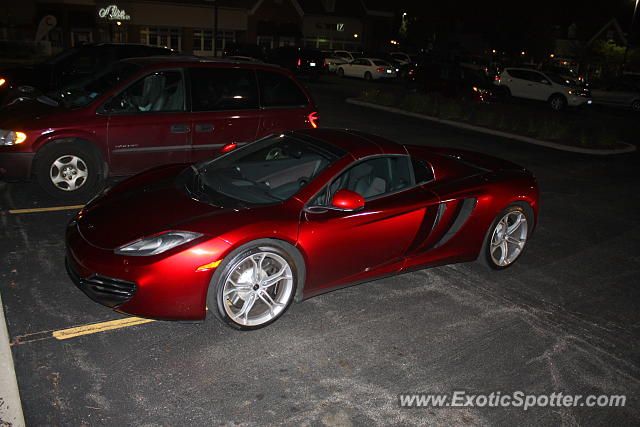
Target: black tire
(506, 92)
(368, 76)
(340, 72)
(635, 105)
(84, 169)
(485, 253)
(216, 300)
(557, 102)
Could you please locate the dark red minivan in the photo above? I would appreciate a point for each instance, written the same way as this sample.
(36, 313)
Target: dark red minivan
(146, 112)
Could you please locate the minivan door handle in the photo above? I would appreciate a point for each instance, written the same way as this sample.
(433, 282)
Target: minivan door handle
(204, 128)
(180, 129)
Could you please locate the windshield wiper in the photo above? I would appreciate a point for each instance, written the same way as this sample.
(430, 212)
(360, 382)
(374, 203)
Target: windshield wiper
(47, 100)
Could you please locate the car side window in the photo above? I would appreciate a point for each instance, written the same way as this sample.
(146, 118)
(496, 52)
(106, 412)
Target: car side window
(216, 89)
(422, 171)
(278, 90)
(160, 91)
(371, 179)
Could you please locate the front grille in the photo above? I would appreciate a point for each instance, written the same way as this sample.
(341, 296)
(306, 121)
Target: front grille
(102, 289)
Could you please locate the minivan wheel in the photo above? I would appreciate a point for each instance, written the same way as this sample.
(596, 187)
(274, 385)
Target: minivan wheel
(557, 102)
(67, 170)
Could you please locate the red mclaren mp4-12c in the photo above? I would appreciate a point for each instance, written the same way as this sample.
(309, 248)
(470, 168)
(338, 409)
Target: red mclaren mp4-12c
(289, 217)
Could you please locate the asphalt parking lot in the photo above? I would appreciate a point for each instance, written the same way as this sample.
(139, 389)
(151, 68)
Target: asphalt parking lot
(563, 319)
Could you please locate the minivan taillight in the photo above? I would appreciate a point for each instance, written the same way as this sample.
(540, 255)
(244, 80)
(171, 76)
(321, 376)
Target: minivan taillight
(313, 119)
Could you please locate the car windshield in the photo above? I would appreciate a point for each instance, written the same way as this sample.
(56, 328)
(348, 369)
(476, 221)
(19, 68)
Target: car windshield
(560, 80)
(83, 92)
(52, 60)
(264, 172)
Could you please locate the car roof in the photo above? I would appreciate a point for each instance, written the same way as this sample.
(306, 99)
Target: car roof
(358, 144)
(184, 61)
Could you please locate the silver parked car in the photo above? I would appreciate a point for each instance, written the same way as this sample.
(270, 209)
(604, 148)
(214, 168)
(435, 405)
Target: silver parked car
(616, 93)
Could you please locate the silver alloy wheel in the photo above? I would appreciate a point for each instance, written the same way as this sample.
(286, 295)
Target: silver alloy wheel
(257, 288)
(557, 103)
(508, 238)
(68, 172)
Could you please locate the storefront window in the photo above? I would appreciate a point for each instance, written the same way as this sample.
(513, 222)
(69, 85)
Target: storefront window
(203, 40)
(163, 37)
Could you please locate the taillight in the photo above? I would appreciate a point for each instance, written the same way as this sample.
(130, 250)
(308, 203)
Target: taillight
(496, 78)
(313, 119)
(228, 147)
(379, 70)
(299, 62)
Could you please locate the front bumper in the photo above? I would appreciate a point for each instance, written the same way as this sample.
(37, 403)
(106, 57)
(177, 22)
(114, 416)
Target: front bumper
(103, 290)
(165, 286)
(16, 165)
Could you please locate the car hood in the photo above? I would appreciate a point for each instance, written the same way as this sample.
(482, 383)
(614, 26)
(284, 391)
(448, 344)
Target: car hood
(26, 113)
(143, 205)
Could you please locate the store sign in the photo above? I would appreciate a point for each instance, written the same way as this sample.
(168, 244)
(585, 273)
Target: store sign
(112, 13)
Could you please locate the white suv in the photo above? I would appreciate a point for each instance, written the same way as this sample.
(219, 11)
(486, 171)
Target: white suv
(531, 84)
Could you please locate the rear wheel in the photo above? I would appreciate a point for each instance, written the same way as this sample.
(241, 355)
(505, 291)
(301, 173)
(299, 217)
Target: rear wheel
(254, 286)
(69, 169)
(507, 237)
(635, 105)
(368, 76)
(340, 72)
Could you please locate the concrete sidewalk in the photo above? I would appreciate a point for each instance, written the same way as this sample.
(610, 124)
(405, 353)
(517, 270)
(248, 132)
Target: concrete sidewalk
(10, 406)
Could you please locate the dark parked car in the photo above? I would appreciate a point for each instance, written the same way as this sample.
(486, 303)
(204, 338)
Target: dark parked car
(290, 217)
(451, 80)
(145, 112)
(68, 66)
(299, 60)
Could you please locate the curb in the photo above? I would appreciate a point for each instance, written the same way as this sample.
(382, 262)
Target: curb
(629, 148)
(10, 406)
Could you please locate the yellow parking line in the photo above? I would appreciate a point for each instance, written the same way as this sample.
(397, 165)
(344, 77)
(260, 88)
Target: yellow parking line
(53, 208)
(64, 334)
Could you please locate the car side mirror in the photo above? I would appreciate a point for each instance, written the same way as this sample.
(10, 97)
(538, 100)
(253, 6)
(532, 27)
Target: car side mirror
(347, 200)
(342, 201)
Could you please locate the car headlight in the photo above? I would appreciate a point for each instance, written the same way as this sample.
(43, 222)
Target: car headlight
(11, 137)
(2, 81)
(154, 245)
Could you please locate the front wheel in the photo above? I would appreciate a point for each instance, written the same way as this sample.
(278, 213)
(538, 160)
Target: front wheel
(340, 72)
(255, 286)
(68, 169)
(507, 237)
(557, 102)
(635, 105)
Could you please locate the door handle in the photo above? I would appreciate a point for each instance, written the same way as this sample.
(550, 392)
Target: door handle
(180, 129)
(204, 128)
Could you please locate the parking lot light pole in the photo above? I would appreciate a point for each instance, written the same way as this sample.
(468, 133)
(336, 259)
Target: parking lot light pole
(626, 48)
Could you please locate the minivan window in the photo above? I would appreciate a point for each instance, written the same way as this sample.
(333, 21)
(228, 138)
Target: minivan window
(278, 90)
(83, 92)
(159, 91)
(216, 89)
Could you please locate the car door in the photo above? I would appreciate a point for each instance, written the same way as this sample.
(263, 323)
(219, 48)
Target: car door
(516, 81)
(148, 124)
(283, 104)
(344, 246)
(225, 109)
(537, 87)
